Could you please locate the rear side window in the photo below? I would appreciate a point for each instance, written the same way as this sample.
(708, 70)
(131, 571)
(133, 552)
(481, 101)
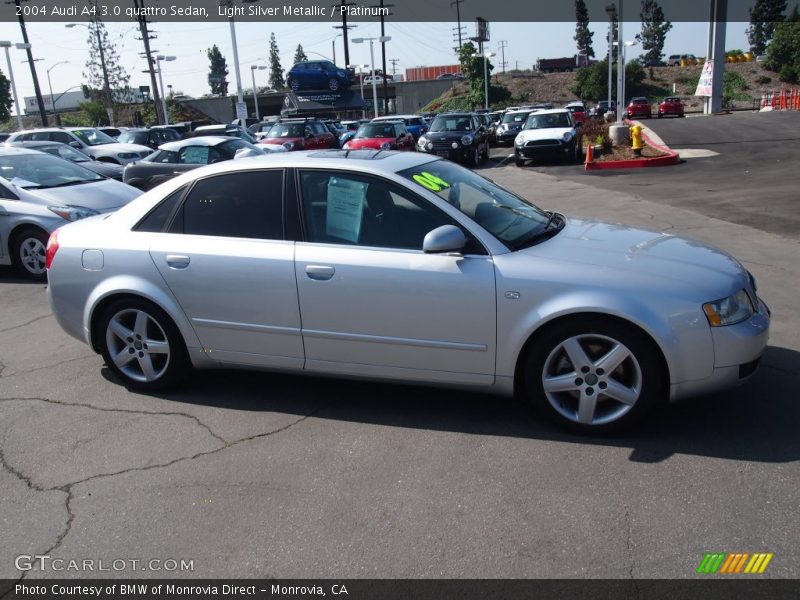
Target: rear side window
(157, 218)
(243, 205)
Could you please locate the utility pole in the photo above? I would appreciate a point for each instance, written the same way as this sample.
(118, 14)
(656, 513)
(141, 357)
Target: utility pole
(457, 4)
(31, 63)
(383, 55)
(345, 28)
(503, 46)
(458, 33)
(146, 37)
(394, 62)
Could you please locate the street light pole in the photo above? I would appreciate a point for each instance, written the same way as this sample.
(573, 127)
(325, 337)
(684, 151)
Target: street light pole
(360, 80)
(382, 39)
(50, 86)
(611, 11)
(159, 59)
(253, 69)
(620, 66)
(486, 56)
(6, 46)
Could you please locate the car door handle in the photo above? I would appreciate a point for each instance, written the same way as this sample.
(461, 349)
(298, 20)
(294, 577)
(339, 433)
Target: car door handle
(178, 261)
(319, 272)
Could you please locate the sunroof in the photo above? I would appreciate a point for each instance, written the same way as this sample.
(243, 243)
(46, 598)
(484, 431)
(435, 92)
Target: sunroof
(357, 154)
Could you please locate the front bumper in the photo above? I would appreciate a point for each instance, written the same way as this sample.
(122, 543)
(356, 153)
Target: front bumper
(737, 352)
(460, 154)
(507, 137)
(544, 148)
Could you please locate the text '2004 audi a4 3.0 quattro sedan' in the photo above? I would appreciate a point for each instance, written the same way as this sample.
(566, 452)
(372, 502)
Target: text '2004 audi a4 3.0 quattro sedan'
(402, 266)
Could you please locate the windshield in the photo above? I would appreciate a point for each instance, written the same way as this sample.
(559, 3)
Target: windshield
(515, 117)
(451, 123)
(43, 171)
(93, 137)
(66, 152)
(375, 130)
(513, 220)
(286, 130)
(547, 121)
(133, 137)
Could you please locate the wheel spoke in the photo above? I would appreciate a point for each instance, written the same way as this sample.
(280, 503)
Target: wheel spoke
(146, 365)
(140, 326)
(614, 358)
(560, 383)
(123, 357)
(621, 393)
(586, 408)
(576, 354)
(156, 347)
(120, 330)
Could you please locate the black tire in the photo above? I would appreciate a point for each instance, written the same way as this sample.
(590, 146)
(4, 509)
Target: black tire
(474, 158)
(294, 84)
(519, 161)
(167, 368)
(333, 84)
(28, 251)
(640, 374)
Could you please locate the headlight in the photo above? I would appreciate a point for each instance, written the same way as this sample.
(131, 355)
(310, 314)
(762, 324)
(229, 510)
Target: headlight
(502, 128)
(518, 141)
(567, 136)
(429, 146)
(73, 213)
(127, 155)
(729, 311)
(289, 146)
(422, 140)
(466, 140)
(386, 146)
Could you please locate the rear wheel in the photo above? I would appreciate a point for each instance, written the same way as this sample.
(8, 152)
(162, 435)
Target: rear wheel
(294, 84)
(29, 253)
(333, 84)
(141, 344)
(593, 375)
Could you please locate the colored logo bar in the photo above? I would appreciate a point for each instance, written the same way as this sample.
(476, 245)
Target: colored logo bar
(733, 563)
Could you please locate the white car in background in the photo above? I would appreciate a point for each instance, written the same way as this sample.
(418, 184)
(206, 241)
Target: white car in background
(88, 140)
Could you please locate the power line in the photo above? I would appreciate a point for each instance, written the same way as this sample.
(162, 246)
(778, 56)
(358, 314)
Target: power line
(503, 45)
(394, 62)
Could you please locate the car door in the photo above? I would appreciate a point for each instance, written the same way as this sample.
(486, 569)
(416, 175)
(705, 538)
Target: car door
(225, 259)
(372, 302)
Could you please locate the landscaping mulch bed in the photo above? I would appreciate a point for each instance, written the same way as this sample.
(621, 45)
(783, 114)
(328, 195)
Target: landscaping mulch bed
(626, 153)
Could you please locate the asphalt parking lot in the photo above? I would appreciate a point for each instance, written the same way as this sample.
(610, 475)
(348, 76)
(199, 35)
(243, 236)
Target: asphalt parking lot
(263, 475)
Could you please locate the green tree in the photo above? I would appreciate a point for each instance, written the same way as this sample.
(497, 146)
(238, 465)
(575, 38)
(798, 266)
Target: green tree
(95, 112)
(583, 37)
(764, 16)
(783, 53)
(103, 51)
(591, 83)
(5, 98)
(299, 54)
(654, 31)
(217, 72)
(276, 80)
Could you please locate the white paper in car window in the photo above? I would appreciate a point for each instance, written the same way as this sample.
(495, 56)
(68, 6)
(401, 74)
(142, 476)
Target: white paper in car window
(345, 208)
(195, 155)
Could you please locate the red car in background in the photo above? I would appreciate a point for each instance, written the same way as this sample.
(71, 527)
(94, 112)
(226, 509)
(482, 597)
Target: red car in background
(639, 107)
(300, 134)
(578, 110)
(381, 135)
(671, 105)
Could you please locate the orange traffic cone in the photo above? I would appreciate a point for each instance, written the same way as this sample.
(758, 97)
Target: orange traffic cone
(589, 154)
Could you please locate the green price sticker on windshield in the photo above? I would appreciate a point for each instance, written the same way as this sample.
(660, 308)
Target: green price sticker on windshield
(430, 181)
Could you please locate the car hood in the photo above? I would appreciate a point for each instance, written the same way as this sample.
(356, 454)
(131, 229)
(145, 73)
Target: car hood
(280, 140)
(118, 147)
(357, 143)
(103, 195)
(103, 168)
(629, 252)
(550, 133)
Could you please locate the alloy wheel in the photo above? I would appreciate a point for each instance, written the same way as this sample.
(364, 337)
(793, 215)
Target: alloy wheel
(138, 345)
(32, 255)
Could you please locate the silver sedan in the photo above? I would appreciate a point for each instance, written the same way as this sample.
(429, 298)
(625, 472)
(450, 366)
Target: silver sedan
(404, 267)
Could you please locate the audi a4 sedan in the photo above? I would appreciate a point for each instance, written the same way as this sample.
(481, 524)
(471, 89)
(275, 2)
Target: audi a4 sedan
(405, 267)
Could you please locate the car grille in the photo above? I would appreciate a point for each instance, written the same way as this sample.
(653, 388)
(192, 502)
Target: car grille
(534, 143)
(442, 145)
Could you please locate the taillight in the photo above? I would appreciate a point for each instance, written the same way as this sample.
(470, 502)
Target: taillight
(52, 248)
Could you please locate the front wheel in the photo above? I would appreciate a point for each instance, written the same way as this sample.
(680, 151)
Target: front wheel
(333, 84)
(593, 375)
(294, 84)
(141, 344)
(519, 161)
(475, 157)
(29, 252)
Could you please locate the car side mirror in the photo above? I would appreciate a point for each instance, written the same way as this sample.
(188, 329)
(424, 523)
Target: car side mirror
(447, 238)
(75, 144)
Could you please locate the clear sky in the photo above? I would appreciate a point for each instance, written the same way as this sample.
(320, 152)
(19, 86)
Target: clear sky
(413, 44)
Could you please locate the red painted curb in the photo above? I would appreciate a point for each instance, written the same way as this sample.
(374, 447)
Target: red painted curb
(672, 158)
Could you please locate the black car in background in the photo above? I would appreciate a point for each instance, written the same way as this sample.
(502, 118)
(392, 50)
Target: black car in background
(151, 138)
(174, 158)
(458, 136)
(510, 126)
(67, 152)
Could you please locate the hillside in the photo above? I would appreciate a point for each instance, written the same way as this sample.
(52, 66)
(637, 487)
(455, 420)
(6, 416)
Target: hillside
(528, 87)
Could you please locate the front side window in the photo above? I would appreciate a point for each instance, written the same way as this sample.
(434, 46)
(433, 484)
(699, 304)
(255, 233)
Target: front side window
(92, 137)
(247, 204)
(351, 209)
(133, 137)
(548, 121)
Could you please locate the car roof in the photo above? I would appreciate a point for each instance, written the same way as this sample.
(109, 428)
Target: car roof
(131, 129)
(395, 117)
(576, 103)
(552, 111)
(203, 140)
(17, 150)
(34, 144)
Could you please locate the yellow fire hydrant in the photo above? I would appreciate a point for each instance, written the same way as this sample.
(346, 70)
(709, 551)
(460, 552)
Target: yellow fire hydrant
(636, 139)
